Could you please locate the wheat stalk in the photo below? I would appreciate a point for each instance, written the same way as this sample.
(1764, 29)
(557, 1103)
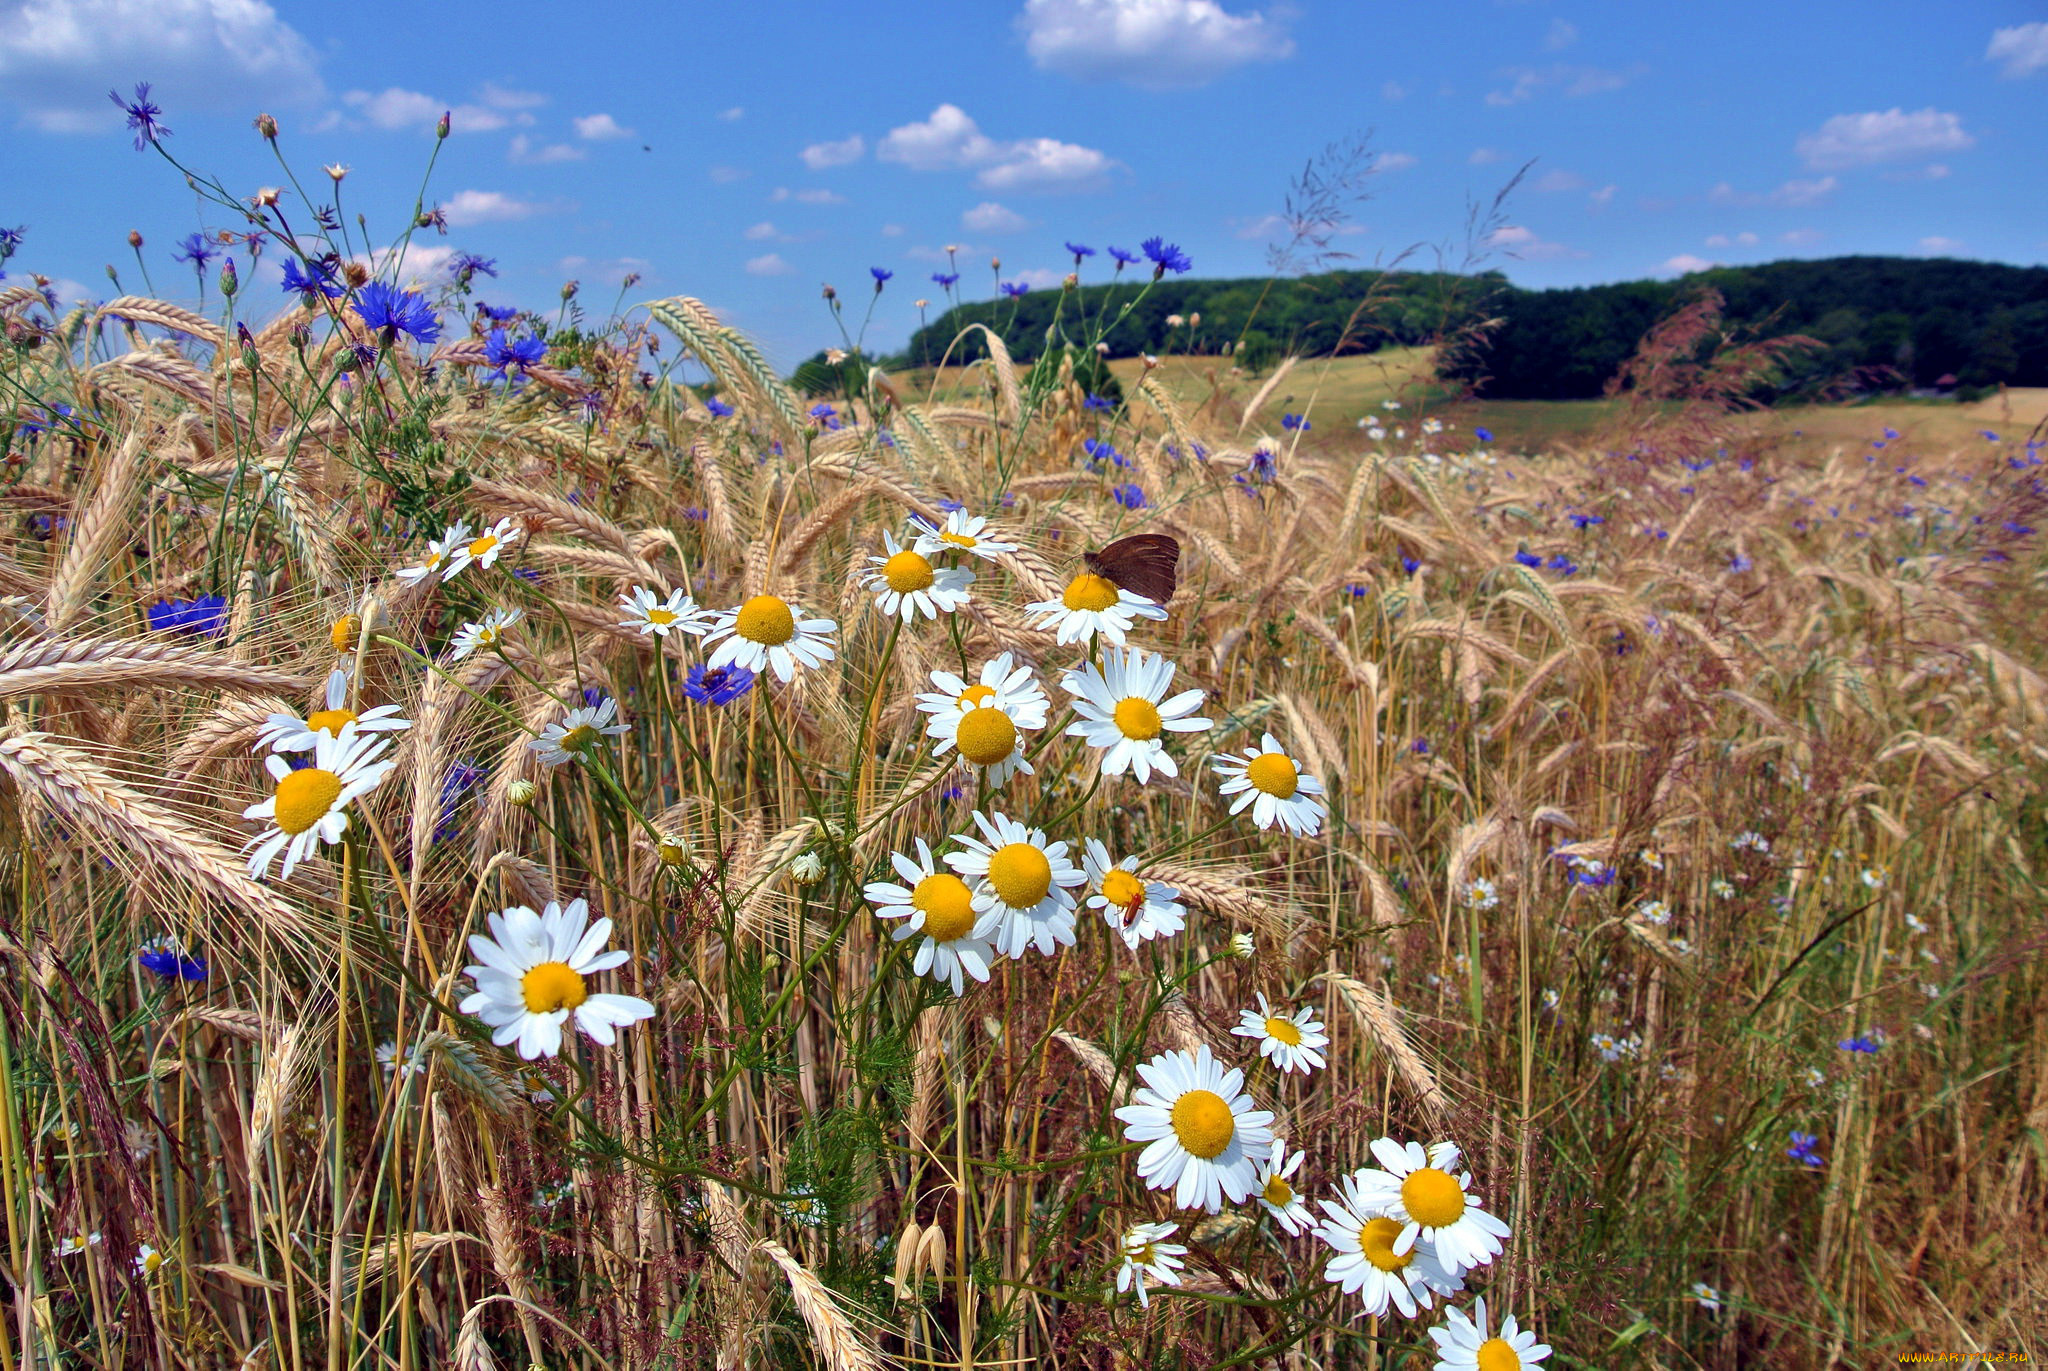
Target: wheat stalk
(50, 665)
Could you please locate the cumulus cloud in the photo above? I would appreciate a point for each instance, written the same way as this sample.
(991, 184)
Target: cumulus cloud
(58, 58)
(1394, 161)
(1524, 243)
(524, 152)
(1560, 35)
(2019, 51)
(396, 108)
(813, 195)
(1941, 247)
(596, 127)
(486, 207)
(1485, 157)
(1793, 194)
(729, 115)
(1526, 83)
(950, 140)
(1265, 226)
(422, 264)
(1393, 90)
(768, 264)
(1152, 44)
(990, 217)
(1744, 239)
(725, 176)
(1854, 140)
(1933, 171)
(761, 231)
(1602, 197)
(612, 269)
(1684, 264)
(1551, 182)
(1801, 237)
(819, 156)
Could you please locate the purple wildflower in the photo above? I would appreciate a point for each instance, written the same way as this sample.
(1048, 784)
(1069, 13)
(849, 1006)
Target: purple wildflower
(1166, 257)
(1016, 289)
(502, 353)
(1123, 258)
(946, 280)
(719, 408)
(308, 285)
(1801, 1150)
(392, 311)
(718, 687)
(142, 116)
(880, 276)
(205, 616)
(169, 960)
(195, 249)
(1129, 496)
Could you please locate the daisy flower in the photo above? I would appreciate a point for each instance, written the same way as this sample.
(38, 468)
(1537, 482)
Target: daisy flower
(485, 634)
(1124, 708)
(387, 1057)
(1366, 1263)
(1138, 909)
(961, 530)
(1147, 1257)
(72, 1246)
(650, 613)
(988, 737)
(482, 550)
(576, 732)
(766, 630)
(907, 584)
(438, 553)
(1292, 1044)
(1202, 1129)
(1023, 880)
(939, 905)
(1431, 1200)
(1462, 1344)
(147, 1259)
(310, 805)
(534, 979)
(1275, 786)
(1277, 1193)
(1093, 604)
(289, 733)
(1009, 687)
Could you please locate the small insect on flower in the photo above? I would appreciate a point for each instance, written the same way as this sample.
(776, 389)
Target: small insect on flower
(482, 550)
(1093, 604)
(1430, 1198)
(717, 686)
(289, 733)
(906, 584)
(766, 632)
(1022, 878)
(649, 613)
(575, 733)
(485, 634)
(310, 805)
(534, 979)
(1274, 786)
(1137, 908)
(439, 551)
(1125, 708)
(1291, 1043)
(1366, 1264)
(1148, 1258)
(1277, 1193)
(1202, 1130)
(940, 906)
(1463, 1345)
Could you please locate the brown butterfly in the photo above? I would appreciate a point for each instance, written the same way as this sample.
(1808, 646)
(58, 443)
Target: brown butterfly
(1144, 563)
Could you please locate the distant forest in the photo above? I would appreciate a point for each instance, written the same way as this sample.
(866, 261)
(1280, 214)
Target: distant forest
(1882, 322)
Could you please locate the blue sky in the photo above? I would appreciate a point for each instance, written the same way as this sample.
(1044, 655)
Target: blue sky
(747, 154)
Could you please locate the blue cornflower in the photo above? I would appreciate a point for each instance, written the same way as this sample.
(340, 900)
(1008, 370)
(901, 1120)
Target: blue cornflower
(949, 506)
(1357, 591)
(10, 242)
(951, 792)
(1079, 252)
(1410, 565)
(880, 276)
(1560, 562)
(1016, 289)
(142, 116)
(1122, 258)
(696, 514)
(195, 249)
(593, 696)
(1165, 257)
(464, 265)
(1582, 522)
(463, 777)
(719, 408)
(1986, 434)
(502, 353)
(320, 281)
(168, 958)
(1098, 402)
(1420, 747)
(827, 416)
(526, 573)
(1262, 468)
(43, 420)
(1696, 467)
(1528, 558)
(1295, 421)
(1801, 1150)
(1484, 435)
(1100, 452)
(205, 616)
(1891, 435)
(392, 311)
(1129, 496)
(497, 315)
(946, 280)
(720, 686)
(1862, 1042)
(1739, 563)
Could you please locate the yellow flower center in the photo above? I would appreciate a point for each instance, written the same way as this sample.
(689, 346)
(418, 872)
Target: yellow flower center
(1284, 1030)
(551, 986)
(330, 720)
(1021, 875)
(907, 571)
(1376, 1240)
(151, 1262)
(986, 735)
(304, 797)
(1496, 1355)
(1203, 1123)
(579, 738)
(1089, 591)
(766, 619)
(947, 904)
(483, 545)
(1278, 1193)
(960, 539)
(1433, 1198)
(347, 631)
(1121, 888)
(1274, 773)
(1138, 718)
(661, 616)
(975, 695)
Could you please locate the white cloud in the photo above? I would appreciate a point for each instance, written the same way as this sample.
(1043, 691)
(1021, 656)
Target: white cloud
(1485, 157)
(1560, 35)
(990, 217)
(2021, 50)
(1524, 243)
(768, 264)
(58, 58)
(612, 269)
(486, 207)
(422, 265)
(1038, 278)
(1801, 237)
(819, 156)
(893, 230)
(1265, 226)
(501, 97)
(1854, 140)
(729, 115)
(1941, 247)
(397, 108)
(1744, 239)
(950, 140)
(814, 195)
(1528, 82)
(1794, 194)
(1684, 264)
(1154, 44)
(525, 153)
(1602, 197)
(596, 127)
(725, 176)
(1550, 182)
(761, 231)
(1393, 90)
(1394, 161)
(1933, 171)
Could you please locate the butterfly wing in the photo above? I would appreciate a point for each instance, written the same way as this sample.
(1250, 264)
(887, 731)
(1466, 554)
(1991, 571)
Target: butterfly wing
(1144, 563)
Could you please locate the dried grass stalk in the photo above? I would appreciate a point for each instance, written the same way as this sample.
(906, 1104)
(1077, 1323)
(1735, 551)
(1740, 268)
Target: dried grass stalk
(1382, 1021)
(51, 665)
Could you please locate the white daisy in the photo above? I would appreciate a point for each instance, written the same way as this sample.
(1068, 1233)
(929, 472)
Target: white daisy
(1124, 708)
(1277, 1193)
(485, 634)
(533, 979)
(765, 631)
(650, 613)
(483, 549)
(1290, 1043)
(439, 552)
(1009, 687)
(939, 905)
(1709, 1298)
(1023, 880)
(961, 530)
(1137, 908)
(988, 737)
(576, 732)
(72, 1246)
(387, 1057)
(1094, 604)
(1147, 1257)
(1202, 1129)
(1431, 1200)
(907, 584)
(1462, 1344)
(1366, 1263)
(147, 1259)
(289, 733)
(1276, 787)
(310, 805)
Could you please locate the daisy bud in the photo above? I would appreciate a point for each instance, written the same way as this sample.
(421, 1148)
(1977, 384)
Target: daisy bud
(346, 633)
(1241, 946)
(266, 126)
(336, 172)
(1195, 320)
(672, 849)
(522, 793)
(807, 869)
(920, 303)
